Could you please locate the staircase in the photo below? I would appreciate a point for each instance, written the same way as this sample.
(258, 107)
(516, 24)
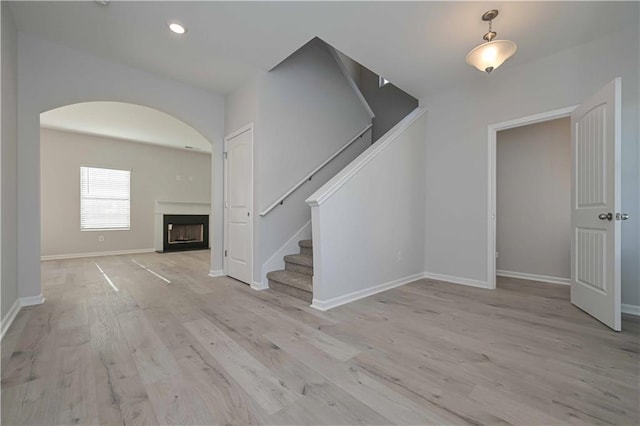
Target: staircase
(297, 278)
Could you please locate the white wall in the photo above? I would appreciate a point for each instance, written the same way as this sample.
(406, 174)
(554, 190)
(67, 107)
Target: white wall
(533, 181)
(369, 233)
(154, 172)
(51, 76)
(303, 110)
(241, 106)
(456, 217)
(8, 158)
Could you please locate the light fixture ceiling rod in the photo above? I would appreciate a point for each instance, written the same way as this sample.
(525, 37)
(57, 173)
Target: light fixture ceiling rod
(490, 16)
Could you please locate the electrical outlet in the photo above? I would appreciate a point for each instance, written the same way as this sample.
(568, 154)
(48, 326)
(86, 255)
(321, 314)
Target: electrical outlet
(178, 177)
(497, 255)
(101, 238)
(399, 255)
(190, 178)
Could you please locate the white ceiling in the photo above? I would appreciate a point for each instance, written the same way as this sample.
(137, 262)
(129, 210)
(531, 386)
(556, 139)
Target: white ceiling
(125, 121)
(420, 46)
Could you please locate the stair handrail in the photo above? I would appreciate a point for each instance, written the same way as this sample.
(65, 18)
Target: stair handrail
(336, 182)
(308, 177)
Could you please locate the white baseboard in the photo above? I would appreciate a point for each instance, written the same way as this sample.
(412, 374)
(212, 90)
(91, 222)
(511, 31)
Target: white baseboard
(456, 280)
(276, 260)
(630, 309)
(259, 286)
(20, 303)
(216, 273)
(325, 305)
(10, 316)
(534, 277)
(96, 254)
(32, 300)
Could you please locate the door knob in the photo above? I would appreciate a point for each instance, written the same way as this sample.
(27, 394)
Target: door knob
(605, 216)
(622, 216)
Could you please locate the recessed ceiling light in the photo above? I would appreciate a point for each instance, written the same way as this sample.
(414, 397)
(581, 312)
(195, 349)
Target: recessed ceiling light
(177, 28)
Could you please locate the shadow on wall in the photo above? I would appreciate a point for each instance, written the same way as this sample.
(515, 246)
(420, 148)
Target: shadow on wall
(389, 103)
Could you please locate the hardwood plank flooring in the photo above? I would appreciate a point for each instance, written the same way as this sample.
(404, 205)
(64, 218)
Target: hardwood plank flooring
(202, 350)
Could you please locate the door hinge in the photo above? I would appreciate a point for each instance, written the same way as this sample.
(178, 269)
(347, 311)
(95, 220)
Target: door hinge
(225, 155)
(225, 253)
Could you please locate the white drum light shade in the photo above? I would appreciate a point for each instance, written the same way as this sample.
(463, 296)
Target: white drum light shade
(489, 56)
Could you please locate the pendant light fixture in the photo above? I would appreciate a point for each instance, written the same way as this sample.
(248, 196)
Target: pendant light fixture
(490, 55)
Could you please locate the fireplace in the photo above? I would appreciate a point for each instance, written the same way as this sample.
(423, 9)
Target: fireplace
(185, 232)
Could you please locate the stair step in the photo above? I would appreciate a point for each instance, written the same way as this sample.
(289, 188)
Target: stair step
(305, 243)
(297, 278)
(292, 279)
(291, 291)
(306, 247)
(299, 259)
(301, 269)
(300, 263)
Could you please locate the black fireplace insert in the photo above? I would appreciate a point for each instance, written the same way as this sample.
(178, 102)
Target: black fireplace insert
(185, 232)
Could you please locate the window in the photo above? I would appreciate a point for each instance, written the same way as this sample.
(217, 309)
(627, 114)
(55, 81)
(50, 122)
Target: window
(104, 199)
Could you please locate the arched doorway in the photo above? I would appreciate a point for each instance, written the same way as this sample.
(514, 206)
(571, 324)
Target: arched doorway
(167, 164)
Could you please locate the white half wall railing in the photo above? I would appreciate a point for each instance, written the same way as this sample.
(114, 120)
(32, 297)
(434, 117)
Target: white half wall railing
(308, 177)
(368, 221)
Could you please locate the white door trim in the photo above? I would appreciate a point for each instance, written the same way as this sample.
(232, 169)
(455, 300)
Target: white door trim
(493, 130)
(241, 130)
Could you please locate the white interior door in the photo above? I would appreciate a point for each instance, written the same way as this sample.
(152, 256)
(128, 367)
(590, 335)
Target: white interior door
(239, 205)
(595, 206)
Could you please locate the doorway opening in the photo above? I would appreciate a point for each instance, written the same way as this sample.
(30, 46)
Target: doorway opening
(595, 201)
(515, 127)
(533, 193)
(109, 173)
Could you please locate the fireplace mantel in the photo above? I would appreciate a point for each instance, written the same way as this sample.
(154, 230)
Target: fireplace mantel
(182, 207)
(176, 207)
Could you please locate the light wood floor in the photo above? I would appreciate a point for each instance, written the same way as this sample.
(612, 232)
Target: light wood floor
(212, 351)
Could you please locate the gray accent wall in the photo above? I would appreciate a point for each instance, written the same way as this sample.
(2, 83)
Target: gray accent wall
(533, 193)
(9, 159)
(389, 103)
(157, 173)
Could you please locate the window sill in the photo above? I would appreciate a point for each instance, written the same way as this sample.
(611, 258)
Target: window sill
(105, 229)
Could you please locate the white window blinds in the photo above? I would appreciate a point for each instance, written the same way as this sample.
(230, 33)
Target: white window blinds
(104, 198)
